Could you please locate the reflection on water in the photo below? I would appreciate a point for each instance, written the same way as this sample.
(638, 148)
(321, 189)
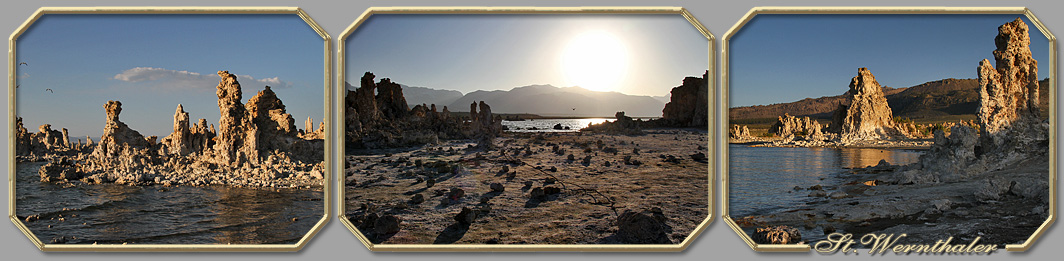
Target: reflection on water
(547, 125)
(115, 214)
(761, 179)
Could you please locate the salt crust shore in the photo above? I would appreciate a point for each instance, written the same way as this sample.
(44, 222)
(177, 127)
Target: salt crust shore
(591, 190)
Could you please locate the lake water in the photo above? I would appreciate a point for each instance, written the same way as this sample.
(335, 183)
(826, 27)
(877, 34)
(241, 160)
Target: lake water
(547, 125)
(115, 214)
(761, 177)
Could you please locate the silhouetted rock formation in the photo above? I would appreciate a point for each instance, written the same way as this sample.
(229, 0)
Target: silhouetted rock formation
(867, 117)
(688, 107)
(390, 99)
(689, 104)
(621, 125)
(485, 125)
(377, 116)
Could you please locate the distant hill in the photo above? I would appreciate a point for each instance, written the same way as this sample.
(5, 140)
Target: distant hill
(930, 99)
(816, 107)
(936, 98)
(422, 95)
(666, 99)
(562, 101)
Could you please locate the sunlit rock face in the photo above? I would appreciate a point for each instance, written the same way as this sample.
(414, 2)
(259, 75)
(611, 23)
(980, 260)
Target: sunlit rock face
(1010, 127)
(257, 144)
(1008, 95)
(237, 140)
(117, 134)
(868, 117)
(788, 127)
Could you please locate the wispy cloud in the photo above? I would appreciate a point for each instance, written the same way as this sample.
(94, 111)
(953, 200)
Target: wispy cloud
(184, 79)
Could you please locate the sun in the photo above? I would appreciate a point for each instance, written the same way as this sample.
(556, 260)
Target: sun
(595, 60)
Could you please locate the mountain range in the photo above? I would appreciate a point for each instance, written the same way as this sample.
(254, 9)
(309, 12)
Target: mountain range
(927, 100)
(545, 100)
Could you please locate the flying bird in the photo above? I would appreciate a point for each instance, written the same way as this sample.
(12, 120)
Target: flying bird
(49, 90)
(574, 109)
(24, 63)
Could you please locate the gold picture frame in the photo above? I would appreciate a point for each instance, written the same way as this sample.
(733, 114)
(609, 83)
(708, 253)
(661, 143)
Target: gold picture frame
(329, 169)
(723, 107)
(338, 104)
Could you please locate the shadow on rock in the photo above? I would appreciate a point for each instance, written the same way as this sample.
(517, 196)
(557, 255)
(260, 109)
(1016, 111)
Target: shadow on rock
(452, 233)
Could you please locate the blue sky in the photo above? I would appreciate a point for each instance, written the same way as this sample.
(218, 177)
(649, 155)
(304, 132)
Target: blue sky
(152, 63)
(779, 58)
(469, 52)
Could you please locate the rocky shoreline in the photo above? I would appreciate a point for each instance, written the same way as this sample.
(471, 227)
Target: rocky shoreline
(1004, 206)
(534, 188)
(255, 145)
(418, 176)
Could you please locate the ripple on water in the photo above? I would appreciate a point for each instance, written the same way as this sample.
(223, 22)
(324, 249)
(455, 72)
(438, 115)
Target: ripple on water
(761, 179)
(110, 213)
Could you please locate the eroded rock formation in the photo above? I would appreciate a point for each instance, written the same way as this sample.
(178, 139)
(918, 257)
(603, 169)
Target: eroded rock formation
(200, 155)
(377, 116)
(185, 140)
(43, 144)
(689, 104)
(117, 136)
(390, 99)
(1010, 129)
(867, 117)
(277, 129)
(1008, 96)
(789, 127)
(179, 142)
(485, 125)
(237, 140)
(739, 132)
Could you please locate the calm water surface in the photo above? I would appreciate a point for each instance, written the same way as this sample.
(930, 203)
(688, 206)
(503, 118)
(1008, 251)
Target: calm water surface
(762, 180)
(115, 214)
(547, 125)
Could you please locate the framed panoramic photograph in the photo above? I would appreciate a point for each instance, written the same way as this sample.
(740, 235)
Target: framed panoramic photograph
(908, 129)
(523, 129)
(174, 129)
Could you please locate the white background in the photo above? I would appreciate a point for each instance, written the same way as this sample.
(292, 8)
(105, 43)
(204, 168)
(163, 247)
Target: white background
(335, 242)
